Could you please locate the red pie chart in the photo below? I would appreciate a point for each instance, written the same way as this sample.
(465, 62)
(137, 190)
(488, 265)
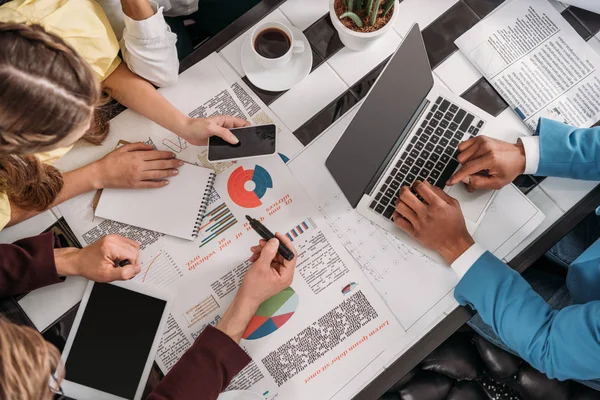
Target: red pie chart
(236, 186)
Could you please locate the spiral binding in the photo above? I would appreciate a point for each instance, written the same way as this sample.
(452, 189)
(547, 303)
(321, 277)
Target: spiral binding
(209, 188)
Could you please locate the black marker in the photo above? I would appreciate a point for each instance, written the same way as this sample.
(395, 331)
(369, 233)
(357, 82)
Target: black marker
(267, 235)
(121, 263)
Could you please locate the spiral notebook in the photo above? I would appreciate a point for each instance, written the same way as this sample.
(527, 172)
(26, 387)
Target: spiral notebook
(176, 209)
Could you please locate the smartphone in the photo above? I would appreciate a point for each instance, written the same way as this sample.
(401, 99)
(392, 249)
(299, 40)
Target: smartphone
(255, 141)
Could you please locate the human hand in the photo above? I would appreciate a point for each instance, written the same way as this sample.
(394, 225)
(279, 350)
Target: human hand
(269, 274)
(197, 130)
(437, 223)
(488, 163)
(135, 165)
(97, 261)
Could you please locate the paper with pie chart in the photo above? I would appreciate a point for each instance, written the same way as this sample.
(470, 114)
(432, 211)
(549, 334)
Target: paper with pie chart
(272, 314)
(324, 315)
(246, 187)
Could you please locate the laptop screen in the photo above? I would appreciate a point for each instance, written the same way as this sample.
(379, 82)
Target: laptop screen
(382, 119)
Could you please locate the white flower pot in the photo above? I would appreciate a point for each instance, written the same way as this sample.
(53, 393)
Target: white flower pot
(357, 40)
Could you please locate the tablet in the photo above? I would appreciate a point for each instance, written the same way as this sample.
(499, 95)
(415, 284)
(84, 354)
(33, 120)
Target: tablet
(113, 341)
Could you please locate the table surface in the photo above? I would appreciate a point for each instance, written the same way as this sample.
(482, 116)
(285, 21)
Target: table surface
(565, 202)
(341, 78)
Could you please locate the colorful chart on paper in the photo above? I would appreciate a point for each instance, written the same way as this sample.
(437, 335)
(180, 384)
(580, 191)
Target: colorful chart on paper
(246, 187)
(175, 144)
(297, 231)
(272, 314)
(159, 270)
(349, 287)
(215, 223)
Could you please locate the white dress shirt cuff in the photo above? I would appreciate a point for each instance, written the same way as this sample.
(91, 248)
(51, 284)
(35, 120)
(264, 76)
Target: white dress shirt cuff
(531, 144)
(151, 27)
(463, 263)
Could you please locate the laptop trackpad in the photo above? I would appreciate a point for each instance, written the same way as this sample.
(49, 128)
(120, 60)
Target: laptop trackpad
(473, 205)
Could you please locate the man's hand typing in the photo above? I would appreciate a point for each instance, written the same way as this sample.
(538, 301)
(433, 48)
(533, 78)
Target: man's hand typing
(488, 163)
(437, 223)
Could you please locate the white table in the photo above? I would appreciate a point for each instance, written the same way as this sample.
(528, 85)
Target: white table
(340, 78)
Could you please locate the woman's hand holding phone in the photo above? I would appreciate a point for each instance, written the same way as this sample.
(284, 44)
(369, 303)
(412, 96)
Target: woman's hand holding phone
(254, 141)
(197, 130)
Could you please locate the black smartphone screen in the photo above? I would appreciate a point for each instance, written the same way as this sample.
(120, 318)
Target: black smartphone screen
(254, 141)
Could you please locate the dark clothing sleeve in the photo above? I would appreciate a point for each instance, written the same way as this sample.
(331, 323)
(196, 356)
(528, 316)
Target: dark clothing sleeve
(27, 264)
(205, 369)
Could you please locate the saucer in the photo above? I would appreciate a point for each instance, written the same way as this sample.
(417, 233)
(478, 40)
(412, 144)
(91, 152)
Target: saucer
(278, 80)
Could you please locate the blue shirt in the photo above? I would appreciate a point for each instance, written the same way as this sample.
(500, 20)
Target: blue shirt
(563, 344)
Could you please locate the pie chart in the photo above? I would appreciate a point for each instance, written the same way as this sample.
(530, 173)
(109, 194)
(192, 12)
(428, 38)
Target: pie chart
(272, 314)
(237, 186)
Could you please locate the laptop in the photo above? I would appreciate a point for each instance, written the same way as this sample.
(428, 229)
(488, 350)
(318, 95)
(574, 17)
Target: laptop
(408, 128)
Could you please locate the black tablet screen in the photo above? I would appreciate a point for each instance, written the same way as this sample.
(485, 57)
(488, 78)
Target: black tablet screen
(114, 339)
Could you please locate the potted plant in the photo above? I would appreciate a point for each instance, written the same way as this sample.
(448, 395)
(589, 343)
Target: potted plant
(361, 22)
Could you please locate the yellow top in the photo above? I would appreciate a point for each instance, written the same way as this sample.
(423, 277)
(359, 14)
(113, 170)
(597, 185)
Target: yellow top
(81, 23)
(84, 26)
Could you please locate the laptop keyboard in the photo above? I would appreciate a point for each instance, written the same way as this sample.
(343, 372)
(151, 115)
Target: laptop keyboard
(431, 155)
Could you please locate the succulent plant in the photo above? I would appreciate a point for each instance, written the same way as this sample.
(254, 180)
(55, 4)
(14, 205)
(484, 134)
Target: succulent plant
(369, 8)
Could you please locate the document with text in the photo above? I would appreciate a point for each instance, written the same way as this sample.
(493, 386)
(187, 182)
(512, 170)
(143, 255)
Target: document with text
(537, 62)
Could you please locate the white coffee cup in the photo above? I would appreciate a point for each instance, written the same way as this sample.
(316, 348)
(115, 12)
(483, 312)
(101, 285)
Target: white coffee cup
(296, 46)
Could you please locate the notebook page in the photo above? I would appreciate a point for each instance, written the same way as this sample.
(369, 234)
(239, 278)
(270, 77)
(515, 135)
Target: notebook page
(172, 209)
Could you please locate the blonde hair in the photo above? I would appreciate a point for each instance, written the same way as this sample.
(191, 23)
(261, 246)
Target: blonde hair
(47, 92)
(26, 363)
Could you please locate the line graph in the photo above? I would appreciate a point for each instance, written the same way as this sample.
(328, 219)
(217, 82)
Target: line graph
(150, 266)
(159, 270)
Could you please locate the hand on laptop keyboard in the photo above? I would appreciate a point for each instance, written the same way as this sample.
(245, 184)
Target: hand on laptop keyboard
(488, 163)
(431, 155)
(437, 223)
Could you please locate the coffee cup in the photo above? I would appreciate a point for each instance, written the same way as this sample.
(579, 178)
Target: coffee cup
(273, 45)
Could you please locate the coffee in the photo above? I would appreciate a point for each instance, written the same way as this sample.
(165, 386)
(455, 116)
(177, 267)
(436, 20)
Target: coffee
(272, 43)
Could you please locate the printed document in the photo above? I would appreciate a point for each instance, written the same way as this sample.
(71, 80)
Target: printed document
(537, 62)
(309, 340)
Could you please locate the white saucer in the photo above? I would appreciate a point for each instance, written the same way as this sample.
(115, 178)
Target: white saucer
(240, 395)
(277, 80)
